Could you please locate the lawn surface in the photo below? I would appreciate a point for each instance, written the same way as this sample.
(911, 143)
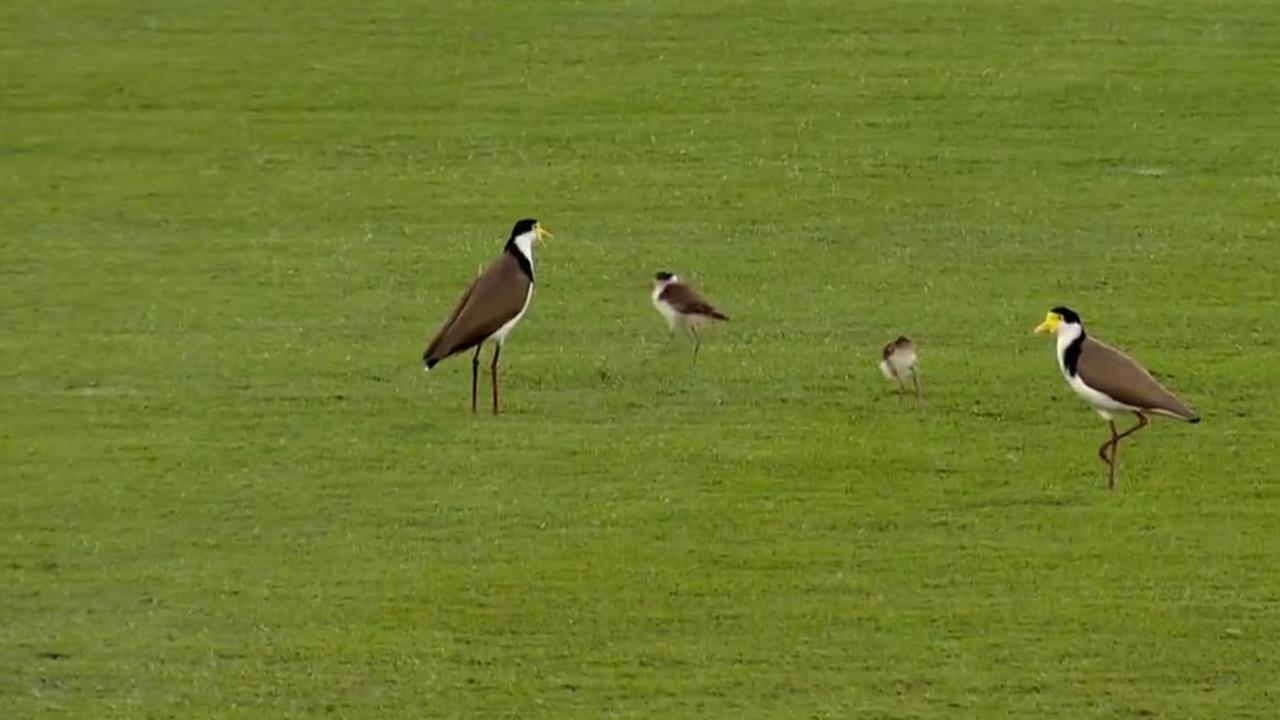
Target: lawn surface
(229, 491)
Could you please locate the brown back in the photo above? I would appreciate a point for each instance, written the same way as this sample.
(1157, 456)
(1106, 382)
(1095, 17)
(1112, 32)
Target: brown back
(688, 302)
(903, 342)
(1105, 368)
(493, 299)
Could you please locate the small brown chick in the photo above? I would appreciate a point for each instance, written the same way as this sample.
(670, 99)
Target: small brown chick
(897, 360)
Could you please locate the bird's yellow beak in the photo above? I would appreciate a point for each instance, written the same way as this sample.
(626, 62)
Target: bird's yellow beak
(542, 232)
(1051, 322)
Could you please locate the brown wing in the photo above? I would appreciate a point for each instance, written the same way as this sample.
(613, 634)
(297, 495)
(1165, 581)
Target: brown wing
(1104, 368)
(493, 299)
(688, 302)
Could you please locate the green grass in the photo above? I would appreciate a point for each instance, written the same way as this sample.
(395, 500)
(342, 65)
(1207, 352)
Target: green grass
(229, 491)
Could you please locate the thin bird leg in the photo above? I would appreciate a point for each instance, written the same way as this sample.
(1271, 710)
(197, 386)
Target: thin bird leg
(697, 343)
(915, 380)
(1102, 450)
(1110, 460)
(1115, 445)
(1111, 467)
(493, 372)
(475, 373)
(1142, 423)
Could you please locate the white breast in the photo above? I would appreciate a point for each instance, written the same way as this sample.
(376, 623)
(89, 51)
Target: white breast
(664, 307)
(903, 360)
(1104, 405)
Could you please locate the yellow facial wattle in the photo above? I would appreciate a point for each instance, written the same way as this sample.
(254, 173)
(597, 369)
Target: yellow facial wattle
(1051, 322)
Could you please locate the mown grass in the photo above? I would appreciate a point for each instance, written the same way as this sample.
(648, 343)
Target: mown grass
(230, 491)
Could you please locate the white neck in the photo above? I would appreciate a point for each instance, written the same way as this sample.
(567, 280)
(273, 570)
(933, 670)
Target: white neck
(524, 243)
(1067, 334)
(660, 285)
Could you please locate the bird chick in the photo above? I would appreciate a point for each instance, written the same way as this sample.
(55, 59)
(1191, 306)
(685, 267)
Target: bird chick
(898, 360)
(682, 307)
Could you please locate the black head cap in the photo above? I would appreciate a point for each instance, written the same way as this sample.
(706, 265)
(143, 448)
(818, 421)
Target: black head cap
(662, 276)
(522, 227)
(1068, 315)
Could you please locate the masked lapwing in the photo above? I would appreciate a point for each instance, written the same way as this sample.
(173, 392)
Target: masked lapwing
(898, 360)
(1110, 381)
(683, 308)
(491, 307)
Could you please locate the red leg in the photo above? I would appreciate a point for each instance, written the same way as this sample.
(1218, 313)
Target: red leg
(1110, 460)
(493, 373)
(1115, 444)
(475, 373)
(1142, 422)
(1102, 450)
(1111, 470)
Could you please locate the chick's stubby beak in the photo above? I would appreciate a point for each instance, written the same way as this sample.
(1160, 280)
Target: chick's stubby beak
(1049, 325)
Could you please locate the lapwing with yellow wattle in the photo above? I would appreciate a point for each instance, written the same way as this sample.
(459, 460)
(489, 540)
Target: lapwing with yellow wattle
(898, 360)
(491, 307)
(682, 307)
(1110, 381)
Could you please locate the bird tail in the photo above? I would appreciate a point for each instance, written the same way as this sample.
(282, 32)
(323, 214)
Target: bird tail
(1176, 410)
(429, 363)
(886, 370)
(719, 315)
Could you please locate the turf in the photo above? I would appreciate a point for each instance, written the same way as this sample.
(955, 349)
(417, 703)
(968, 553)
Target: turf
(230, 492)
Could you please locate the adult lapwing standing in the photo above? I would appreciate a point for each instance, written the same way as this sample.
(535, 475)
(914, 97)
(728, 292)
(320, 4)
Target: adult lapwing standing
(898, 360)
(491, 307)
(1110, 381)
(683, 308)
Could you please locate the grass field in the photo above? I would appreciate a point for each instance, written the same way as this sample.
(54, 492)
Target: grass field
(229, 491)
